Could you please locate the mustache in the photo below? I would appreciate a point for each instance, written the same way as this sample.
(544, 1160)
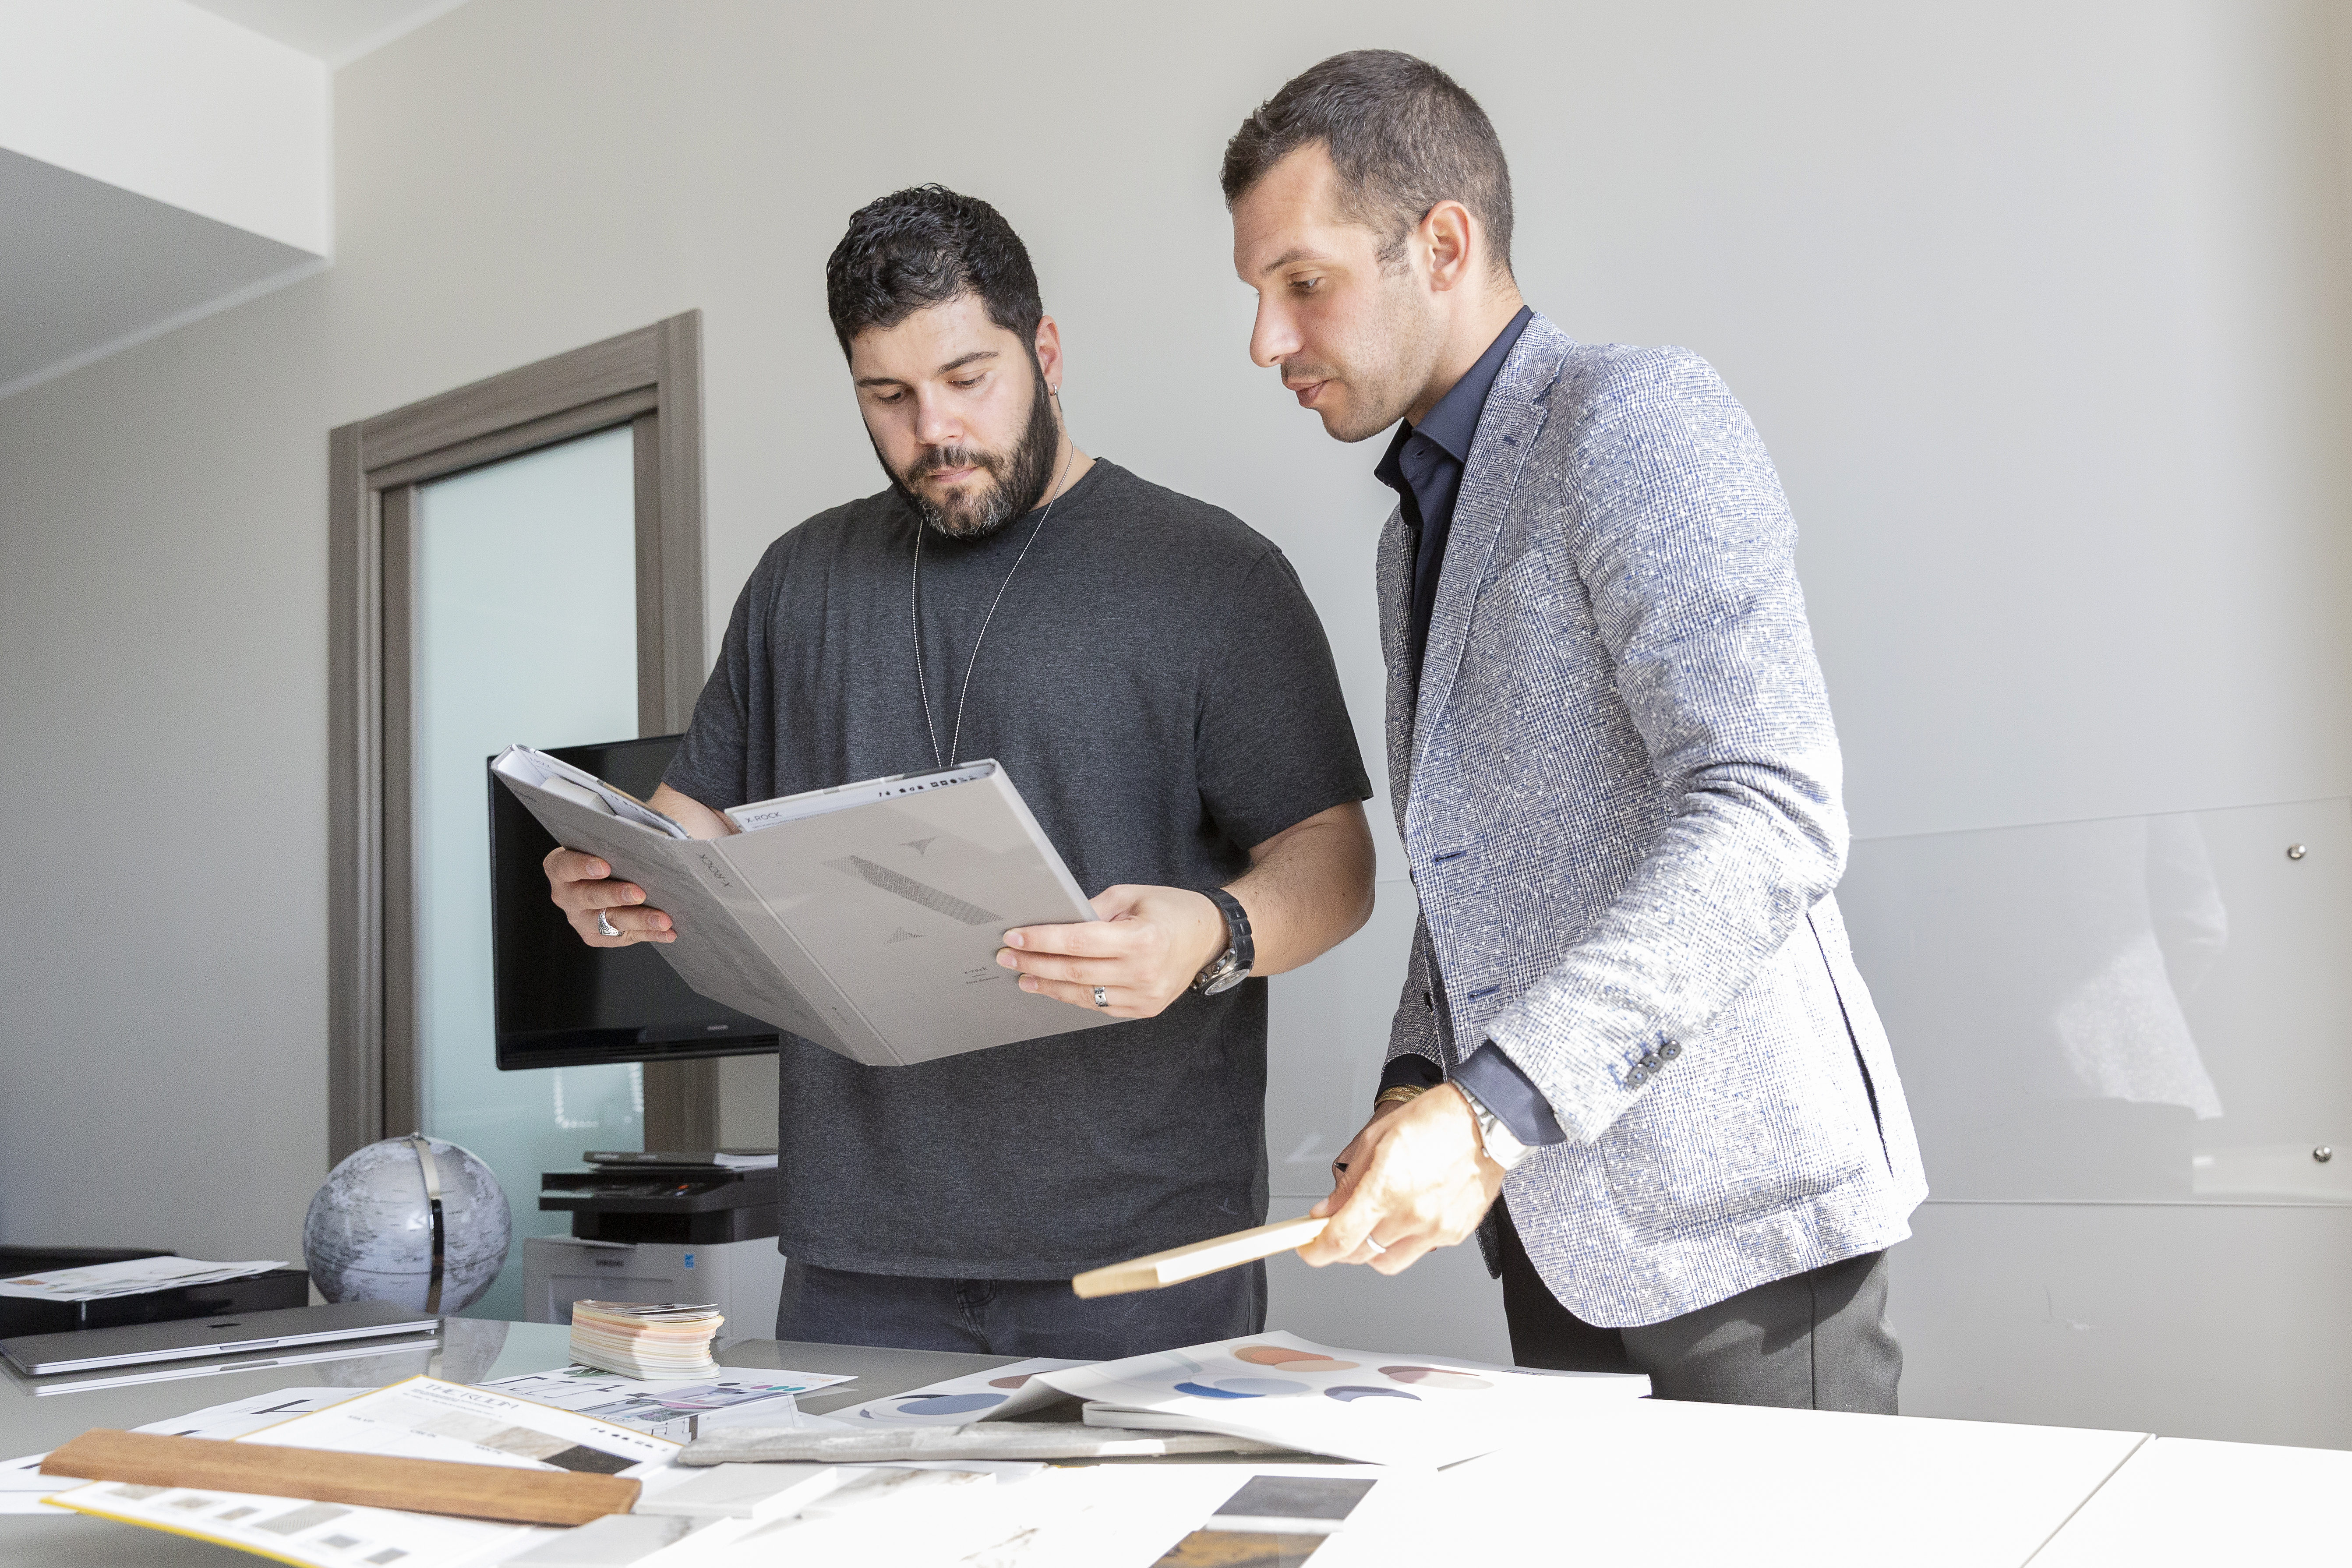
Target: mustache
(940, 459)
(1298, 372)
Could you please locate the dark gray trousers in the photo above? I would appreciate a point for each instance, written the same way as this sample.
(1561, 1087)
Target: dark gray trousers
(1815, 1341)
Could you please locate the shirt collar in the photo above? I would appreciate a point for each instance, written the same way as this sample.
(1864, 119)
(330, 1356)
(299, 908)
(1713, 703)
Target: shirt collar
(1452, 425)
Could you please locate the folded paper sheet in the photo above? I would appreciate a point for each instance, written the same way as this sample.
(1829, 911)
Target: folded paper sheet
(1375, 1406)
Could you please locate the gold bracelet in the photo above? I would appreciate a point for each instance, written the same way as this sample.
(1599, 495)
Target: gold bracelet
(1398, 1094)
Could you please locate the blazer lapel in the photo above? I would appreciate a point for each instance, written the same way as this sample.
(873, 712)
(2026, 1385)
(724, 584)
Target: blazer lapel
(1515, 412)
(1392, 586)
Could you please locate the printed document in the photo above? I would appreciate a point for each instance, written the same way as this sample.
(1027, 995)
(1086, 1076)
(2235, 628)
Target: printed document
(864, 918)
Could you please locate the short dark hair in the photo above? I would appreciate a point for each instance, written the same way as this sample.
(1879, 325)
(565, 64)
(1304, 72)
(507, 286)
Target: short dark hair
(1402, 135)
(922, 247)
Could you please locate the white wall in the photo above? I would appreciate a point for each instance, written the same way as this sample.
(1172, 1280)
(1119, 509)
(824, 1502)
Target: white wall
(2038, 307)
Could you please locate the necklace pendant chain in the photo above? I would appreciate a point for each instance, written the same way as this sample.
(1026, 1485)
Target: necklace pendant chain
(914, 616)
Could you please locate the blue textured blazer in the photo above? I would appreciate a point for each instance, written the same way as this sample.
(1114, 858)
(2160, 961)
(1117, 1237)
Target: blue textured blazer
(1619, 797)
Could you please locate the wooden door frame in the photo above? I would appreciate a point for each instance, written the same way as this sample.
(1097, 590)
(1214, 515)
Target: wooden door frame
(649, 380)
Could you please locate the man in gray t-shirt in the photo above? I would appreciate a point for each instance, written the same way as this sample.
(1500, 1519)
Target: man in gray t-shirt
(1153, 679)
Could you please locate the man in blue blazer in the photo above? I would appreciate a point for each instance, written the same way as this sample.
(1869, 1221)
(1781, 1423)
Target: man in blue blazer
(1631, 1011)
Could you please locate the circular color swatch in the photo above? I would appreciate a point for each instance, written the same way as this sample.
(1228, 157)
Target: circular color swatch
(950, 1403)
(1434, 1377)
(1290, 1359)
(1347, 1394)
(1202, 1391)
(1010, 1381)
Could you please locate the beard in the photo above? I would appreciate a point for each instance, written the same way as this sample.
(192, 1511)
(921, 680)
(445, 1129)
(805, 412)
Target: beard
(1016, 482)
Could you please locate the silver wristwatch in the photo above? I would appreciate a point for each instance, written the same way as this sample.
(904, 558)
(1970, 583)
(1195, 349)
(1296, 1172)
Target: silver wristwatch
(1232, 966)
(1503, 1145)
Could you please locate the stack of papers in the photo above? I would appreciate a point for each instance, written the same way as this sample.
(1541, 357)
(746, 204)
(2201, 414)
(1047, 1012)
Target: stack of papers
(97, 1281)
(649, 1340)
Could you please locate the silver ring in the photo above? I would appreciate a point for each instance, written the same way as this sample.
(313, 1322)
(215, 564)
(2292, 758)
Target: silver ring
(1102, 997)
(604, 926)
(1376, 1247)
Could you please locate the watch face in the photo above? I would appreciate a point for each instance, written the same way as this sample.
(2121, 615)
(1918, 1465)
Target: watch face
(1226, 981)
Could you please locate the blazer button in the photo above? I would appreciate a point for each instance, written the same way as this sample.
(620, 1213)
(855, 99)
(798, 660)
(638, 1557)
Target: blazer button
(1651, 1061)
(1636, 1078)
(1670, 1051)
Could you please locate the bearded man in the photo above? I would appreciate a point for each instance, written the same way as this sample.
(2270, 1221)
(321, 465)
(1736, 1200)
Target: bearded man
(1151, 676)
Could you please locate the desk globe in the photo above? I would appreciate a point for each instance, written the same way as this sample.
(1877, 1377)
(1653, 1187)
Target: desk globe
(415, 1221)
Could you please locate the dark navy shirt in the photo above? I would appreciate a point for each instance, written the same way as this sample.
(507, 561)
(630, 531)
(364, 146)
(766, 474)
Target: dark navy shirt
(1424, 465)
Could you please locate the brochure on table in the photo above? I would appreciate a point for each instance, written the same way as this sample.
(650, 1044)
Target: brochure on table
(1374, 1407)
(674, 1410)
(957, 1400)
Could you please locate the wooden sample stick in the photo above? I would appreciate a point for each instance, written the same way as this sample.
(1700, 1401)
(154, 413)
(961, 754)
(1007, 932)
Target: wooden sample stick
(364, 1480)
(1182, 1263)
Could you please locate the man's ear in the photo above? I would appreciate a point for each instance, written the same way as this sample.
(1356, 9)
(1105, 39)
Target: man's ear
(1447, 234)
(1049, 352)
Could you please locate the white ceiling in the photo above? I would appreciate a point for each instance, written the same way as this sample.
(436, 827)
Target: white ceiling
(335, 31)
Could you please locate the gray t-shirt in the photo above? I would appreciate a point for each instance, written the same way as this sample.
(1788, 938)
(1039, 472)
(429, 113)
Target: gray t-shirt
(1158, 686)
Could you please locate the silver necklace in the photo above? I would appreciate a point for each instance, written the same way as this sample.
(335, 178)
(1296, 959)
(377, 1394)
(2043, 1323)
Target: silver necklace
(915, 617)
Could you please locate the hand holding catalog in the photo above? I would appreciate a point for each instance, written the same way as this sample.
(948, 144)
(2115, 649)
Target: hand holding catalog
(866, 917)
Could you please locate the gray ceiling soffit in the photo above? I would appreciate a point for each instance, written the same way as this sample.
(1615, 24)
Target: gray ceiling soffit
(86, 268)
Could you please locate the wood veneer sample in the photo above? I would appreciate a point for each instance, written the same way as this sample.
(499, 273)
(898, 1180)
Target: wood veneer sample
(364, 1480)
(1179, 1264)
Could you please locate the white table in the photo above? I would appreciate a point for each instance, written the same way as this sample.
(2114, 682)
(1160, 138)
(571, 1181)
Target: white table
(1662, 1485)
(1642, 1482)
(2183, 1501)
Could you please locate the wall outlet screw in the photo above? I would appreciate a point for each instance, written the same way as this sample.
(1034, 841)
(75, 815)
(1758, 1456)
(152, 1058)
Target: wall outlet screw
(2323, 1153)
(2294, 851)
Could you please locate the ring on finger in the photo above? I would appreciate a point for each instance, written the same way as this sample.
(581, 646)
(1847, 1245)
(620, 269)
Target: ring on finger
(604, 926)
(1102, 996)
(1376, 1247)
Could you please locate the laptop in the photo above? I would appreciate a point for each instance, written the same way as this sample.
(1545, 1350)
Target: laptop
(244, 1334)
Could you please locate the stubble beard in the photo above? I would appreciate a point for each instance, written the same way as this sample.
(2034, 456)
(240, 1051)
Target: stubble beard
(1385, 384)
(1018, 478)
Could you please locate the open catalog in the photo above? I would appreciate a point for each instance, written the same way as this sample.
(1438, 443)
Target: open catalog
(866, 917)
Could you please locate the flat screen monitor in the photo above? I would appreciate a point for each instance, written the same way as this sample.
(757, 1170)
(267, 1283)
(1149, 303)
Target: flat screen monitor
(561, 1003)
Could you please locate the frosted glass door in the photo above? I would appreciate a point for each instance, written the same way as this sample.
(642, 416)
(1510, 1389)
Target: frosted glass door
(525, 631)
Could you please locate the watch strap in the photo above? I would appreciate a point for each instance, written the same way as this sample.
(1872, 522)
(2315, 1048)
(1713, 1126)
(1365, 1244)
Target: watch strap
(1237, 927)
(1232, 966)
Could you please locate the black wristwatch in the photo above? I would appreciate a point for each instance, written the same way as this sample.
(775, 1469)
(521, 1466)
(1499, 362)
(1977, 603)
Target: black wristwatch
(1231, 967)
